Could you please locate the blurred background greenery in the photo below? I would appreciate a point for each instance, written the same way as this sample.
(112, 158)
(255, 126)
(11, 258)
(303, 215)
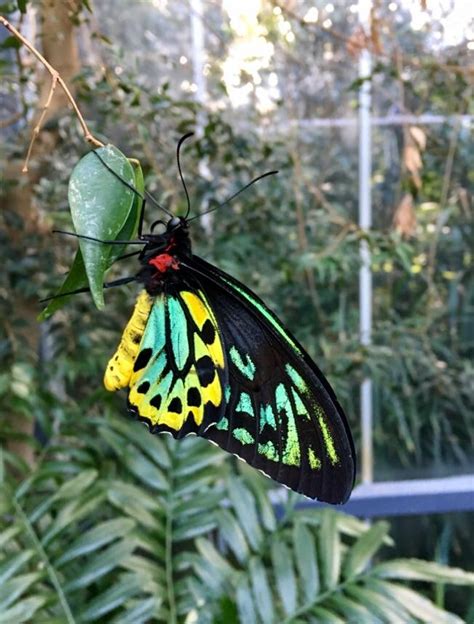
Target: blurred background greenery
(100, 521)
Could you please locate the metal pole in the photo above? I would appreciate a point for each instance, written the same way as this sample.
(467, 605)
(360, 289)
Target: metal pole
(365, 222)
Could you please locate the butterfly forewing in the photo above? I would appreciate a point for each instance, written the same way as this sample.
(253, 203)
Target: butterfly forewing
(281, 415)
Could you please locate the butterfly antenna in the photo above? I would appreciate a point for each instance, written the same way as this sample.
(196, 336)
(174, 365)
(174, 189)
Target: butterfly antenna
(180, 142)
(229, 199)
(132, 188)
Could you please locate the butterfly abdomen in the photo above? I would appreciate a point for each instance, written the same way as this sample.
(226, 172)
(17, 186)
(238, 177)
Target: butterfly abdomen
(120, 367)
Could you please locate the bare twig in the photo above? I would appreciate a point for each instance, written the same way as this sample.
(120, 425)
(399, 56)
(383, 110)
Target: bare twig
(56, 78)
(37, 128)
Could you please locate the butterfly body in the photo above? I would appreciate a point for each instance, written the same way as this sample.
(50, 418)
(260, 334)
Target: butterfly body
(202, 354)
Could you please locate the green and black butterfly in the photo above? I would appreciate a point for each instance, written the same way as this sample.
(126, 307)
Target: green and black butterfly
(202, 354)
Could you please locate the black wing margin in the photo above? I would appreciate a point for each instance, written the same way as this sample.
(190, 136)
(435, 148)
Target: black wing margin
(282, 416)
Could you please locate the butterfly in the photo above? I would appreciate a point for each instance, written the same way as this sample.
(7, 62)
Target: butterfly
(203, 354)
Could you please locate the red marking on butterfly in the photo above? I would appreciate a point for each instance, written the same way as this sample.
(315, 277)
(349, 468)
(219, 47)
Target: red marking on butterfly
(164, 262)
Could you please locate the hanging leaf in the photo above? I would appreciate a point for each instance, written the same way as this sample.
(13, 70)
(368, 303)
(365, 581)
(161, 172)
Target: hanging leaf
(404, 219)
(415, 143)
(419, 136)
(78, 277)
(100, 205)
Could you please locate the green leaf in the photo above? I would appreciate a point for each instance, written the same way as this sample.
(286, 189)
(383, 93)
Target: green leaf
(306, 560)
(10, 42)
(112, 598)
(71, 512)
(9, 534)
(9, 567)
(145, 470)
(213, 557)
(75, 279)
(351, 609)
(329, 550)
(100, 204)
(74, 487)
(22, 5)
(265, 507)
(102, 564)
(97, 537)
(23, 611)
(261, 590)
(15, 587)
(77, 276)
(379, 604)
(152, 446)
(232, 532)
(360, 554)
(194, 527)
(245, 603)
(138, 613)
(324, 616)
(418, 570)
(403, 252)
(134, 501)
(244, 505)
(284, 574)
(419, 606)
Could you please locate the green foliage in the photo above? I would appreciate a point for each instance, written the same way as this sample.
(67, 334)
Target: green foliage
(116, 525)
(62, 557)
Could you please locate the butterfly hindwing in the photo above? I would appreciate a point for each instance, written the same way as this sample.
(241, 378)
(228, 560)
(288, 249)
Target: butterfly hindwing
(172, 360)
(281, 415)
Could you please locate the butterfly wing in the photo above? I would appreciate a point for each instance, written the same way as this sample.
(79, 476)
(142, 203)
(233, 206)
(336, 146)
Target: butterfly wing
(281, 415)
(171, 358)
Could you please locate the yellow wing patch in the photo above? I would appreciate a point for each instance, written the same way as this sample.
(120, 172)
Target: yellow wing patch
(175, 370)
(201, 312)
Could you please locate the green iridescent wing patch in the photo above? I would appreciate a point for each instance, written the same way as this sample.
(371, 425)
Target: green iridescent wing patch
(281, 415)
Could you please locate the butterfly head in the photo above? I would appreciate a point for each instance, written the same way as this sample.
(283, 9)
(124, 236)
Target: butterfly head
(176, 223)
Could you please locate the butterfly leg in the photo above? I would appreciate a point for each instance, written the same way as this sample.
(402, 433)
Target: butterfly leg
(113, 284)
(128, 255)
(99, 240)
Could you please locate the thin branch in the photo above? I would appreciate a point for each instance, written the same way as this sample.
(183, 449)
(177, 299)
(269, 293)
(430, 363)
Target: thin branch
(37, 128)
(56, 78)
